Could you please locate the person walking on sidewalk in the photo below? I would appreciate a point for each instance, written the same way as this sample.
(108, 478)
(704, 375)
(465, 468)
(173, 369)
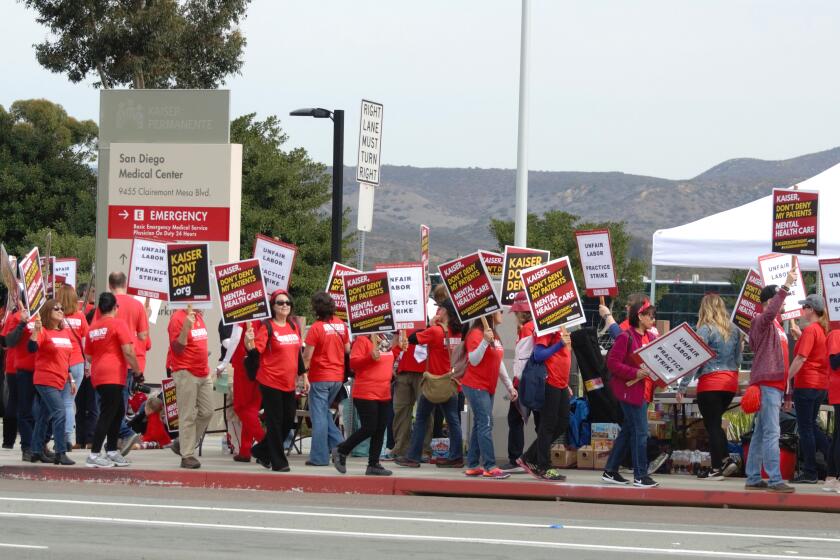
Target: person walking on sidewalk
(484, 369)
(372, 362)
(327, 345)
(770, 373)
(809, 371)
(76, 322)
(278, 342)
(627, 381)
(717, 380)
(522, 353)
(187, 357)
(10, 414)
(110, 347)
(832, 481)
(17, 330)
(412, 363)
(50, 342)
(553, 350)
(438, 364)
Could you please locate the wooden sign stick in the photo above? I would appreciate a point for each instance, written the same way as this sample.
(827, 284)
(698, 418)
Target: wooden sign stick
(601, 300)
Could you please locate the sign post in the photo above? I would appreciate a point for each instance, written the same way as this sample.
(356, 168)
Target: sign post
(795, 222)
(370, 143)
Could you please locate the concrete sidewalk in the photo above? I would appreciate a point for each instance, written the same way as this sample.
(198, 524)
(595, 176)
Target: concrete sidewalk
(160, 468)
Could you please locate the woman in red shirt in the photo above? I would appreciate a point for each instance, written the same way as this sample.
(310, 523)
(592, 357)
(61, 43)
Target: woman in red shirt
(76, 322)
(111, 349)
(484, 368)
(50, 342)
(832, 481)
(278, 342)
(809, 371)
(372, 362)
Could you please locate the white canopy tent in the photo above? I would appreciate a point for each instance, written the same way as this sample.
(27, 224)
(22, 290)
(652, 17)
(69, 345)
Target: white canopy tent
(736, 238)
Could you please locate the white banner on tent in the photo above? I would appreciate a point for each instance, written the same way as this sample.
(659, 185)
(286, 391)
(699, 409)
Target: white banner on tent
(774, 269)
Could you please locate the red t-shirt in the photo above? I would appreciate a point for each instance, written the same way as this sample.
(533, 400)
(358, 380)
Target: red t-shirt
(327, 338)
(408, 362)
(10, 352)
(194, 356)
(52, 360)
(485, 375)
(527, 330)
(78, 324)
(438, 362)
(24, 359)
(278, 357)
(814, 372)
(833, 347)
(558, 364)
(781, 384)
(718, 381)
(156, 431)
(372, 381)
(133, 313)
(103, 343)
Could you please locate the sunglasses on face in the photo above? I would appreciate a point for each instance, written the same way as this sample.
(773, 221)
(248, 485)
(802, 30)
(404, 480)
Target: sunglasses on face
(281, 302)
(59, 309)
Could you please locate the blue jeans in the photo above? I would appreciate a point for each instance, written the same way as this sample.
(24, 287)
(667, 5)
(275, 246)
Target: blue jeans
(807, 404)
(77, 372)
(633, 435)
(48, 409)
(125, 431)
(26, 402)
(421, 420)
(764, 447)
(481, 436)
(325, 434)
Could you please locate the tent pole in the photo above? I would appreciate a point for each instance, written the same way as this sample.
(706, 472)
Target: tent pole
(653, 284)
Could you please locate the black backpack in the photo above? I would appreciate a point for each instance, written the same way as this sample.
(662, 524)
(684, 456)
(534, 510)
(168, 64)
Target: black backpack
(252, 358)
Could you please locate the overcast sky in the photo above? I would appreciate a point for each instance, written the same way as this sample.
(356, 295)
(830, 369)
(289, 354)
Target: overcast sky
(657, 87)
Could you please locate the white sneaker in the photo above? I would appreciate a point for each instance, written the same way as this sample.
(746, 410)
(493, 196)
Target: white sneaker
(98, 462)
(118, 460)
(832, 485)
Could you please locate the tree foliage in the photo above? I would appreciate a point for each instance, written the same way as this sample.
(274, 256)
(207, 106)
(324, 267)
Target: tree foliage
(156, 44)
(555, 231)
(284, 194)
(45, 173)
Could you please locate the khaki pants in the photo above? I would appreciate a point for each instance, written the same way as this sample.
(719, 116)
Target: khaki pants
(406, 391)
(195, 409)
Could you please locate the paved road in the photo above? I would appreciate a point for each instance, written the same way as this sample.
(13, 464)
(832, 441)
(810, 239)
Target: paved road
(90, 521)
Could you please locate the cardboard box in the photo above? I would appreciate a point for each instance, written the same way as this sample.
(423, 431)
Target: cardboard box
(605, 430)
(585, 458)
(601, 444)
(563, 457)
(601, 459)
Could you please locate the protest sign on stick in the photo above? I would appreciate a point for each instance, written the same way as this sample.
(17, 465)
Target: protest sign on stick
(189, 275)
(335, 288)
(774, 269)
(517, 259)
(66, 268)
(795, 222)
(553, 296)
(408, 294)
(369, 306)
(424, 248)
(748, 304)
(469, 286)
(494, 262)
(170, 403)
(278, 261)
(675, 354)
(148, 271)
(242, 293)
(34, 288)
(830, 275)
(597, 263)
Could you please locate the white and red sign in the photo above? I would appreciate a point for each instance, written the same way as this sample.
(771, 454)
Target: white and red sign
(795, 222)
(553, 296)
(830, 274)
(408, 294)
(774, 269)
(66, 268)
(597, 263)
(170, 223)
(335, 287)
(676, 354)
(148, 272)
(34, 289)
(277, 259)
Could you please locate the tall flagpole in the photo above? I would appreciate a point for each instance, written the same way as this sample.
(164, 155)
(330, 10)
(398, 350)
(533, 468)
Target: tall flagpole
(521, 215)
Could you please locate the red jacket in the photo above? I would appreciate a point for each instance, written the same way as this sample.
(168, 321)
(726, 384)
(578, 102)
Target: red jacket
(623, 367)
(768, 357)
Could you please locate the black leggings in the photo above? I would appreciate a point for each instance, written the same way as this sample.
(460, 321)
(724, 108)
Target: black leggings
(712, 405)
(280, 409)
(374, 417)
(111, 413)
(554, 421)
(834, 450)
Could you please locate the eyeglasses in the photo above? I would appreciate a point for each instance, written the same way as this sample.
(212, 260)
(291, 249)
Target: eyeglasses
(280, 302)
(807, 307)
(58, 308)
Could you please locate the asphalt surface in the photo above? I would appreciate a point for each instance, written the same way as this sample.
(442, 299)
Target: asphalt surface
(88, 520)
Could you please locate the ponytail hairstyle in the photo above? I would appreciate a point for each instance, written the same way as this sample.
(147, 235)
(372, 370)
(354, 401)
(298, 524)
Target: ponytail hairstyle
(822, 319)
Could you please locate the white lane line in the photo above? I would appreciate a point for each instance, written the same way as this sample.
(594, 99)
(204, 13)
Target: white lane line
(422, 519)
(405, 537)
(31, 546)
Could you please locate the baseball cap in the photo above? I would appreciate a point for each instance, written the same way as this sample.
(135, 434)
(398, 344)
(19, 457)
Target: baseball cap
(815, 302)
(520, 303)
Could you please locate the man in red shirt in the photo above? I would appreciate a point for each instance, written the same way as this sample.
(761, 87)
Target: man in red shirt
(188, 358)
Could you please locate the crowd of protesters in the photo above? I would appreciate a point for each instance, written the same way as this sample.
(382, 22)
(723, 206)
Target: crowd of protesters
(69, 371)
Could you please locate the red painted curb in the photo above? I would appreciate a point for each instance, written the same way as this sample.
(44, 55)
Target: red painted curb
(285, 482)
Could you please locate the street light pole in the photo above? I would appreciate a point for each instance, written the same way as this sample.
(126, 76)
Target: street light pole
(338, 185)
